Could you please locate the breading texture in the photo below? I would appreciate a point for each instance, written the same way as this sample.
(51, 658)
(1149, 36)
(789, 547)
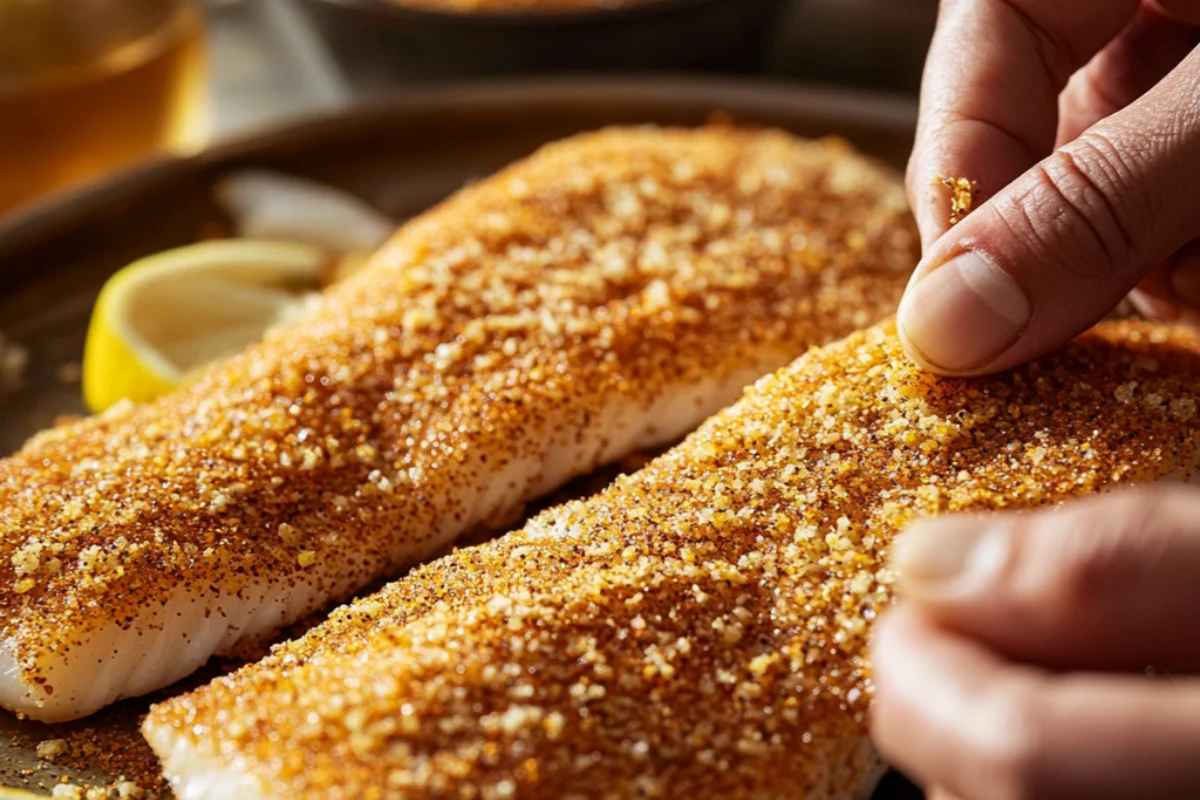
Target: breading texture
(608, 293)
(698, 629)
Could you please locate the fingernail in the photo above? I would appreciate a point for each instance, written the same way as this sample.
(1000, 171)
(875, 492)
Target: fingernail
(949, 557)
(963, 314)
(1185, 282)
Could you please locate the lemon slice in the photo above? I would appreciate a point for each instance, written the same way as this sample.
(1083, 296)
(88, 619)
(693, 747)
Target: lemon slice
(166, 317)
(17, 794)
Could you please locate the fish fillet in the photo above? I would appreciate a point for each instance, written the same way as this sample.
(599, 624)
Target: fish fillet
(607, 294)
(699, 628)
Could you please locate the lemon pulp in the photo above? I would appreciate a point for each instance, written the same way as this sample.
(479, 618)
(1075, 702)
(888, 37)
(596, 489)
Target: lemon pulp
(166, 317)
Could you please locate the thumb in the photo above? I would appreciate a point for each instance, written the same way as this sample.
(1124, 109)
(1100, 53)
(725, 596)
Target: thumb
(1107, 583)
(1058, 248)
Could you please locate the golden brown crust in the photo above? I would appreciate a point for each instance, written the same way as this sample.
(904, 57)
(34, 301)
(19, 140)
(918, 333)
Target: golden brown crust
(698, 629)
(605, 267)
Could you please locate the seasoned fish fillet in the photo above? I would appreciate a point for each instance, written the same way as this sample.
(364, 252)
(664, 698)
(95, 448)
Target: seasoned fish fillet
(699, 628)
(605, 295)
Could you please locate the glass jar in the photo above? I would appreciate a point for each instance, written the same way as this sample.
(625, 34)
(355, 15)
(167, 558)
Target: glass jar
(90, 85)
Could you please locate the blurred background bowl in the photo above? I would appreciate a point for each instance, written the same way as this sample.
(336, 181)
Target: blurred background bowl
(378, 42)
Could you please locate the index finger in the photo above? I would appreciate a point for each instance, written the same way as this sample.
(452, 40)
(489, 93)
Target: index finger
(989, 97)
(952, 713)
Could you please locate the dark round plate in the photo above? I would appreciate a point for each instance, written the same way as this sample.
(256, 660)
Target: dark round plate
(402, 156)
(398, 9)
(382, 40)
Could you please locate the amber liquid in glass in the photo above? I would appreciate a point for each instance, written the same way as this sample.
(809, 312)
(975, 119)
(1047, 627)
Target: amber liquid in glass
(76, 100)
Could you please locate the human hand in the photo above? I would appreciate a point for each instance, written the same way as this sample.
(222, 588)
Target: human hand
(1112, 87)
(1015, 665)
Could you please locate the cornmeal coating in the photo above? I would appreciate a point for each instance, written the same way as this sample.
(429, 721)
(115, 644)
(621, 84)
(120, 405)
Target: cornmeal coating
(698, 629)
(607, 294)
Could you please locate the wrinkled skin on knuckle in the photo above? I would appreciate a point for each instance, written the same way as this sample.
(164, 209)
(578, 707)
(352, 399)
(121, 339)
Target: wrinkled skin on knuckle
(1066, 215)
(1040, 231)
(1154, 145)
(1179, 97)
(1115, 172)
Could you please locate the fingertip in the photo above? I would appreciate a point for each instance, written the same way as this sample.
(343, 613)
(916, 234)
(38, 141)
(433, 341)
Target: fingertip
(958, 318)
(951, 558)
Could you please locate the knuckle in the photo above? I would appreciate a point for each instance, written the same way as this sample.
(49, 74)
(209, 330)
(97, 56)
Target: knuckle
(1055, 49)
(1096, 551)
(1084, 568)
(1074, 211)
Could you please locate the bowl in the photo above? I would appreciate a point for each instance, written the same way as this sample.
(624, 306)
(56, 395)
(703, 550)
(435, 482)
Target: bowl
(381, 44)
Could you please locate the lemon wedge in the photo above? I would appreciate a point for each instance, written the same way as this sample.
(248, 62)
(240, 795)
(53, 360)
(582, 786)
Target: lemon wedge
(17, 794)
(166, 317)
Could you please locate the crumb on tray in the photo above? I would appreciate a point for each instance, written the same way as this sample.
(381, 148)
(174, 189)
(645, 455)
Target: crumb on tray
(51, 749)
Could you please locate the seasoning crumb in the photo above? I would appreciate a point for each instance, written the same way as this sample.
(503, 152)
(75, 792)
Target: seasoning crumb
(962, 197)
(51, 749)
(128, 790)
